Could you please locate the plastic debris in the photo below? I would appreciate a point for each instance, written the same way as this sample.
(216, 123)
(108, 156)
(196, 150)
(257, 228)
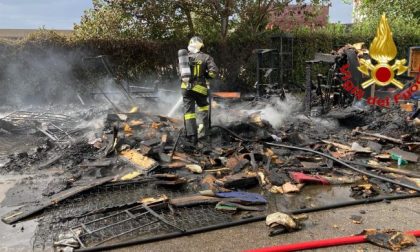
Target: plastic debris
(194, 168)
(254, 198)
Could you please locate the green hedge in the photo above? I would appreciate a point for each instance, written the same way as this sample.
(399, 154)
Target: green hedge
(47, 58)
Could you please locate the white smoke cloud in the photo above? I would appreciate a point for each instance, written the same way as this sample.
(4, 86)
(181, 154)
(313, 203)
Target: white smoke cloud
(39, 77)
(278, 111)
(320, 122)
(275, 111)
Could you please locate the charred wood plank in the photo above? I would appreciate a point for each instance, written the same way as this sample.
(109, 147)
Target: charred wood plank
(240, 181)
(193, 200)
(388, 169)
(409, 156)
(390, 139)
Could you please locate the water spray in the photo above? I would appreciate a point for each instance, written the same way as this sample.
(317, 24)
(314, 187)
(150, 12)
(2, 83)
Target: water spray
(174, 108)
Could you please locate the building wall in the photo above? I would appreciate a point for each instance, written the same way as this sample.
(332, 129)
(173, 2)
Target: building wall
(293, 16)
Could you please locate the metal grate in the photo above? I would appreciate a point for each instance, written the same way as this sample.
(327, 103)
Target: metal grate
(59, 128)
(24, 116)
(110, 214)
(141, 223)
(139, 219)
(108, 197)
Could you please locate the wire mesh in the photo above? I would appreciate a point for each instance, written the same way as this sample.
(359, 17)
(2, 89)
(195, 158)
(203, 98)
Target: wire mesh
(59, 128)
(120, 227)
(111, 202)
(20, 116)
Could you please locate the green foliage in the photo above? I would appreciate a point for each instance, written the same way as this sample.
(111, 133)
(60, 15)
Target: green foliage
(403, 15)
(404, 10)
(175, 19)
(105, 23)
(151, 19)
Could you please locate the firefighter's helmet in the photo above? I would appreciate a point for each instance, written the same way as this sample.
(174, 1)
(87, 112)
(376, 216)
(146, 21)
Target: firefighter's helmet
(195, 44)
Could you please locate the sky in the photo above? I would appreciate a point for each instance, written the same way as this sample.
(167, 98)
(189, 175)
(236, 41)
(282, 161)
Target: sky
(34, 14)
(340, 12)
(62, 14)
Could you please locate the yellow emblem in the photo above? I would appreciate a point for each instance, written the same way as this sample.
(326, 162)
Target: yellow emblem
(382, 50)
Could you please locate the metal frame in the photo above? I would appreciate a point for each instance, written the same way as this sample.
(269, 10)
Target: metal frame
(107, 228)
(274, 67)
(326, 85)
(284, 44)
(57, 127)
(410, 55)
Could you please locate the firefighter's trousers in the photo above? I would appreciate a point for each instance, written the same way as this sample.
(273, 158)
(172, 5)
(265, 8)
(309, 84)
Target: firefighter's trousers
(198, 94)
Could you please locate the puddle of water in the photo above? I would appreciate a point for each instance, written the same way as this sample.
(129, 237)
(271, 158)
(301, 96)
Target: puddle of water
(310, 196)
(410, 167)
(16, 238)
(27, 189)
(7, 182)
(12, 144)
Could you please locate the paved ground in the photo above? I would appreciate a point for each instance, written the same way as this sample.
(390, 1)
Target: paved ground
(15, 238)
(401, 215)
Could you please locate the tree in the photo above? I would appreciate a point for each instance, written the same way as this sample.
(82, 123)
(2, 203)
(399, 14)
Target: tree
(407, 10)
(152, 19)
(403, 15)
(169, 19)
(104, 22)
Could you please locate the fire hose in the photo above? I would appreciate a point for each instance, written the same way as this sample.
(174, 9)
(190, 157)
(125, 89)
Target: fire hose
(321, 243)
(369, 174)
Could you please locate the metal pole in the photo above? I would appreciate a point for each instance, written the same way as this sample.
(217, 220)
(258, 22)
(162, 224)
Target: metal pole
(259, 56)
(308, 97)
(208, 130)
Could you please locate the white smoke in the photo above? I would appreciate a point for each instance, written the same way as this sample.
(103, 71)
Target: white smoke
(95, 127)
(320, 122)
(275, 111)
(278, 111)
(39, 77)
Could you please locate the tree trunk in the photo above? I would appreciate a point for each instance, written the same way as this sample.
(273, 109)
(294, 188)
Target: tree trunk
(190, 23)
(224, 17)
(224, 24)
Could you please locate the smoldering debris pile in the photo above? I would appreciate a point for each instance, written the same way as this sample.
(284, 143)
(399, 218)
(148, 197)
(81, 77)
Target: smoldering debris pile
(56, 138)
(137, 180)
(392, 122)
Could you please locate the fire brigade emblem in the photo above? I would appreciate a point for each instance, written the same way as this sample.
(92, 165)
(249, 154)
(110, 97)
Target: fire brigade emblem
(382, 50)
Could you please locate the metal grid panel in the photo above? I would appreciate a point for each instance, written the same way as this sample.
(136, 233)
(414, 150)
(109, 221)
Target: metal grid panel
(106, 197)
(120, 227)
(110, 202)
(59, 128)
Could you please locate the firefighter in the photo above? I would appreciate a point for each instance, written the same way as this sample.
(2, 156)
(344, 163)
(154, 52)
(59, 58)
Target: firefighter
(195, 90)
